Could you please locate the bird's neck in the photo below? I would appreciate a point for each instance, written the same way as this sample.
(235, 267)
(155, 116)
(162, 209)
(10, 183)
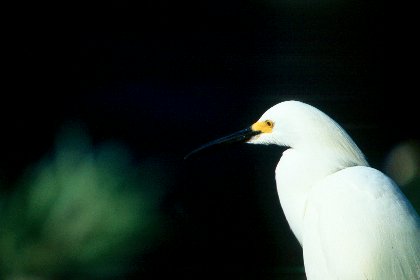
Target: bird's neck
(296, 174)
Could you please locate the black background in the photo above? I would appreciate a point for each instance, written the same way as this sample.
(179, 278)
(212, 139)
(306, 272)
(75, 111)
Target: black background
(167, 76)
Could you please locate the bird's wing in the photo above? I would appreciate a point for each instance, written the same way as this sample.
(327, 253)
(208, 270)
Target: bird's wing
(358, 225)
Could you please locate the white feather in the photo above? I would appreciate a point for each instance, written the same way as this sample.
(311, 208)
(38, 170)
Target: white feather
(352, 221)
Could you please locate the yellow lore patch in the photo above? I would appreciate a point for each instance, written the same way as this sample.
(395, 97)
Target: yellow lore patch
(263, 126)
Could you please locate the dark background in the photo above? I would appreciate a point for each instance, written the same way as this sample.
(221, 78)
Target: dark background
(164, 77)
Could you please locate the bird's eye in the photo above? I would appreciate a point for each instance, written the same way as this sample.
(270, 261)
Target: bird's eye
(269, 123)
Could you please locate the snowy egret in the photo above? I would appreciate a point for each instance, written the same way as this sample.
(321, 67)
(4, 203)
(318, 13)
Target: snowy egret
(352, 221)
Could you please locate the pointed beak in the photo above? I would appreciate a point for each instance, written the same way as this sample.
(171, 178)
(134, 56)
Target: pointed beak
(240, 136)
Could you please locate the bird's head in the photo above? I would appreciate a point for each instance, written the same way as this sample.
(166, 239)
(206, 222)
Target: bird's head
(265, 131)
(297, 125)
(283, 124)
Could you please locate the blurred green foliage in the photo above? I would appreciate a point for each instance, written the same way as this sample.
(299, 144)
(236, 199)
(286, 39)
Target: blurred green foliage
(403, 165)
(82, 212)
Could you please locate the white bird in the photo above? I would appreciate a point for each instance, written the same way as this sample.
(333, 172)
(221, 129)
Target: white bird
(352, 221)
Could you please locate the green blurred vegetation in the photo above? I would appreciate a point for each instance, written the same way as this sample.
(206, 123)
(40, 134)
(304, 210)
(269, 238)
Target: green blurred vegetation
(403, 165)
(82, 212)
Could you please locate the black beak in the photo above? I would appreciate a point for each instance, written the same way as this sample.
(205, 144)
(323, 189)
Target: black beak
(240, 136)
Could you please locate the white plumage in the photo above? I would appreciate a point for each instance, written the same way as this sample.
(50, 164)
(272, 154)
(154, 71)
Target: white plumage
(352, 221)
